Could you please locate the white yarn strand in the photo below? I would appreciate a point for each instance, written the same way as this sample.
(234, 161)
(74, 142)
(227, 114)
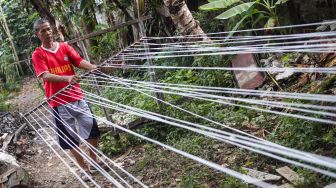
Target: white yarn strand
(195, 158)
(309, 167)
(82, 153)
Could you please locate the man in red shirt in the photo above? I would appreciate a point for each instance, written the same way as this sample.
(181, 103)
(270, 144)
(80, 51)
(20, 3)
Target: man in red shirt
(53, 62)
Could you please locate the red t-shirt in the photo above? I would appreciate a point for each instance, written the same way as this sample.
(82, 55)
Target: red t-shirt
(59, 62)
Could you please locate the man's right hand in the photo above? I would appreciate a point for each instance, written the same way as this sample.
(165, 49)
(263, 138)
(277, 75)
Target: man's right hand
(73, 79)
(57, 78)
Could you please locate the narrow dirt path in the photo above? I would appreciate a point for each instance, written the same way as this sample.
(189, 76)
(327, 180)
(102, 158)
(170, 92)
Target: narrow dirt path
(46, 169)
(42, 164)
(28, 97)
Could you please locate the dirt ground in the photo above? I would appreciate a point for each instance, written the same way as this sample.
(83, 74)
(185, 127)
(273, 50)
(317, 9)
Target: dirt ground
(41, 163)
(28, 97)
(47, 170)
(44, 167)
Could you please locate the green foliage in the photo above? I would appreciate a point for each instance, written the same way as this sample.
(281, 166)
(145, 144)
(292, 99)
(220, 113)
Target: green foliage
(107, 43)
(5, 90)
(185, 172)
(167, 133)
(85, 4)
(20, 24)
(311, 179)
(3, 107)
(7, 68)
(304, 135)
(133, 98)
(196, 77)
(193, 177)
(209, 26)
(216, 4)
(11, 87)
(239, 9)
(289, 58)
(111, 146)
(233, 182)
(252, 12)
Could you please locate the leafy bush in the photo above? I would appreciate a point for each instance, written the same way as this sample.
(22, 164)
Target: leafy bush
(5, 90)
(252, 12)
(304, 135)
(20, 24)
(107, 43)
(111, 146)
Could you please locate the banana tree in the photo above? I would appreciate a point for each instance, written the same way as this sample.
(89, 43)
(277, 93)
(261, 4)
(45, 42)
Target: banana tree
(257, 10)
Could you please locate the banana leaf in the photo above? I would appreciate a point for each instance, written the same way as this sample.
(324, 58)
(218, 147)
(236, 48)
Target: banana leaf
(235, 10)
(280, 2)
(235, 28)
(218, 4)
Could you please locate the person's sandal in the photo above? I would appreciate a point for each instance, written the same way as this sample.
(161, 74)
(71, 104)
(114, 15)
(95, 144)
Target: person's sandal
(93, 169)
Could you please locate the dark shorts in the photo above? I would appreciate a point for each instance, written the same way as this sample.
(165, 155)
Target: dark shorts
(70, 115)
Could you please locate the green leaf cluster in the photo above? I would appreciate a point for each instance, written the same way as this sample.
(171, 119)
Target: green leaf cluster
(255, 11)
(20, 24)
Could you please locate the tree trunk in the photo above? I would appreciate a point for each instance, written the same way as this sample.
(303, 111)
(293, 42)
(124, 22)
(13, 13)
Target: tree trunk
(55, 24)
(100, 13)
(88, 27)
(73, 30)
(182, 17)
(43, 12)
(123, 9)
(125, 38)
(129, 15)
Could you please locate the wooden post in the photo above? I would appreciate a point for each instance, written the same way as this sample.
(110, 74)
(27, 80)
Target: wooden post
(83, 48)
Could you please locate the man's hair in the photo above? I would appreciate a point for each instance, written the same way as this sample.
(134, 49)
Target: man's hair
(38, 23)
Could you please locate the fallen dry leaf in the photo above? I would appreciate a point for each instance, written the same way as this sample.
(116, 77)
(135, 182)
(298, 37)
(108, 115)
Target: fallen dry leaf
(331, 63)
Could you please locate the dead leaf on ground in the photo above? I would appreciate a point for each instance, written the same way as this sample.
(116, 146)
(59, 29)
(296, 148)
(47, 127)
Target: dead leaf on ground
(303, 79)
(314, 87)
(327, 57)
(260, 133)
(49, 164)
(331, 63)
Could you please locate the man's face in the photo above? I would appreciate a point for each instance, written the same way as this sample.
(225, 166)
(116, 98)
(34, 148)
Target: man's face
(45, 33)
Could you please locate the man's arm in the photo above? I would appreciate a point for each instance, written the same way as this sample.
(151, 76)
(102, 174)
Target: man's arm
(70, 79)
(56, 78)
(87, 66)
(91, 67)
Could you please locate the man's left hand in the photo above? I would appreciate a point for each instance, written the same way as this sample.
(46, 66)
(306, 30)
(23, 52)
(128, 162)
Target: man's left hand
(110, 69)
